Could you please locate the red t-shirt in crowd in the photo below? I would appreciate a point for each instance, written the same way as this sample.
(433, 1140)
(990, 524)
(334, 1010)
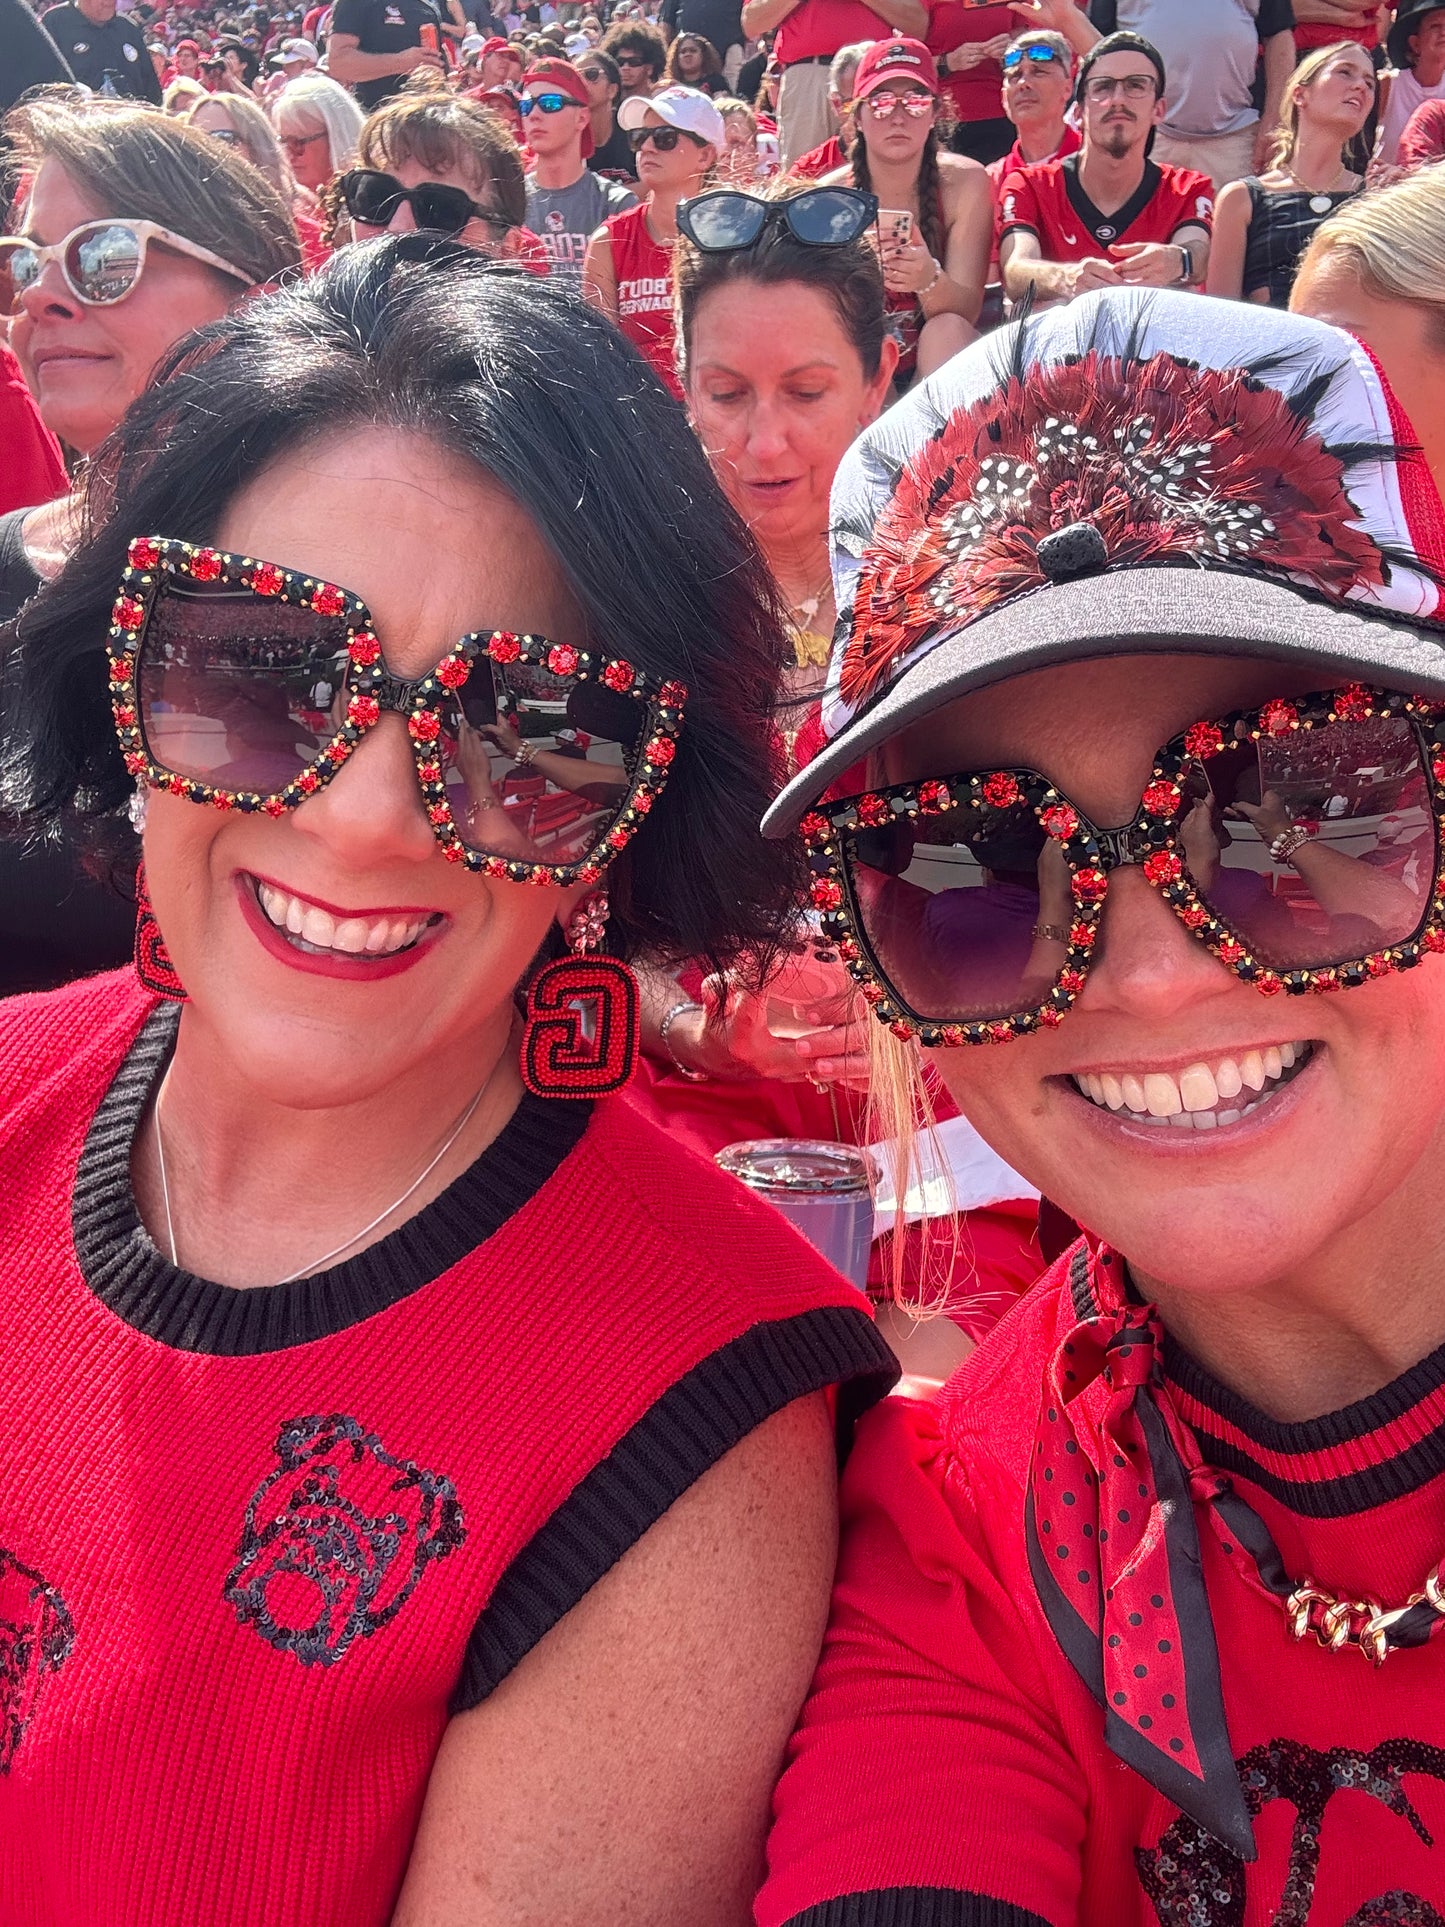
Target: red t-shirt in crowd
(1309, 34)
(31, 467)
(1048, 200)
(977, 92)
(819, 161)
(1013, 162)
(643, 268)
(818, 28)
(955, 1765)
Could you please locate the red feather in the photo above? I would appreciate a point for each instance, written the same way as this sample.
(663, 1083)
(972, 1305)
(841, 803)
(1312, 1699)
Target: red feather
(1162, 458)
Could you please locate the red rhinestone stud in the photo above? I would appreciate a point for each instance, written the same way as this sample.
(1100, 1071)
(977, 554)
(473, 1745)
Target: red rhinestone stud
(424, 727)
(308, 782)
(1162, 799)
(122, 669)
(504, 646)
(661, 750)
(1162, 867)
(874, 811)
(953, 1035)
(900, 1029)
(1433, 940)
(826, 893)
(1000, 790)
(1229, 951)
(1267, 984)
(452, 673)
(1001, 1033)
(1059, 820)
(363, 711)
(849, 951)
(205, 565)
(619, 676)
(1194, 918)
(1353, 704)
(267, 579)
(1081, 936)
(814, 827)
(454, 853)
(873, 993)
(1089, 886)
(364, 649)
(618, 839)
(672, 695)
(933, 796)
(1071, 980)
(273, 806)
(562, 659)
(1278, 718)
(129, 614)
(327, 599)
(143, 554)
(642, 802)
(1204, 739)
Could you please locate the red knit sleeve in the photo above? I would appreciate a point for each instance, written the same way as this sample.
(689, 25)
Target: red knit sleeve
(929, 1783)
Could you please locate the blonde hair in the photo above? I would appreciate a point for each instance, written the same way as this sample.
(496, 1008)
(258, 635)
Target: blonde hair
(182, 95)
(258, 138)
(1286, 132)
(1391, 237)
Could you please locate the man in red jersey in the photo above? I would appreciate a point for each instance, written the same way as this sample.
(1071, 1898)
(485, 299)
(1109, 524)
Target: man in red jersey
(1038, 82)
(1107, 216)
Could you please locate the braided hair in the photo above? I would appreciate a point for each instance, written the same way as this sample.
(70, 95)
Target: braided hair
(930, 189)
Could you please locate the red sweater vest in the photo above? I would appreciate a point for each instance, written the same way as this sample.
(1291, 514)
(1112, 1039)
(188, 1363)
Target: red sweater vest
(256, 1545)
(961, 1762)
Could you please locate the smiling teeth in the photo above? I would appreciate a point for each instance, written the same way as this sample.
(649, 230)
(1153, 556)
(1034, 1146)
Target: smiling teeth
(312, 928)
(1202, 1096)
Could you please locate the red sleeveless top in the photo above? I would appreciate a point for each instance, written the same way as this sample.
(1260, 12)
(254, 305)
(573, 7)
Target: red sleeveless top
(643, 268)
(256, 1546)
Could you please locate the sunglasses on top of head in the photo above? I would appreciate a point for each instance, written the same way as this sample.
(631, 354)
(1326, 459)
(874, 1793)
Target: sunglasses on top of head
(725, 218)
(374, 198)
(1014, 58)
(1298, 842)
(101, 261)
(247, 686)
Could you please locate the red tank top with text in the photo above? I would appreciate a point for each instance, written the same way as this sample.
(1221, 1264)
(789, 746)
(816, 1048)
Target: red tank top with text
(643, 268)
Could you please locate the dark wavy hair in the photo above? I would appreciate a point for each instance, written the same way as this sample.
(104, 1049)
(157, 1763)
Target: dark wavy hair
(551, 402)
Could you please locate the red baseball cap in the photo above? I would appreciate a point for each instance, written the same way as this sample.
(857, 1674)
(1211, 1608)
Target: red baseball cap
(897, 59)
(562, 75)
(496, 45)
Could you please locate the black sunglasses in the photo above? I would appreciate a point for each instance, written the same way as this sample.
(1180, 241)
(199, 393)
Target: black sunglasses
(820, 217)
(373, 199)
(664, 139)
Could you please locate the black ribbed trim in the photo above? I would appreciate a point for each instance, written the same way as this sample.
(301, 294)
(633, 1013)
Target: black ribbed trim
(126, 1272)
(694, 1423)
(917, 1907)
(1390, 1478)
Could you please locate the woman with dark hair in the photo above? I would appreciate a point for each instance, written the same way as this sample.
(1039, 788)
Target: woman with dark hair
(1131, 820)
(936, 211)
(458, 1430)
(693, 61)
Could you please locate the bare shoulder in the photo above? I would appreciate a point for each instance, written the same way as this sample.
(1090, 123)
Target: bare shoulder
(647, 1729)
(836, 177)
(962, 179)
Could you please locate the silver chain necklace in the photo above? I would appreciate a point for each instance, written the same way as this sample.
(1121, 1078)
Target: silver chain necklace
(316, 1264)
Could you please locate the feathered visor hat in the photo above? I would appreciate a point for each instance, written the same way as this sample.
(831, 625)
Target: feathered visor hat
(1137, 471)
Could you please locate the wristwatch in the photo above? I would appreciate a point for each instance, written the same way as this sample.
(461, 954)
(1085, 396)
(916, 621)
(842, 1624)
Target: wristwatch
(1186, 263)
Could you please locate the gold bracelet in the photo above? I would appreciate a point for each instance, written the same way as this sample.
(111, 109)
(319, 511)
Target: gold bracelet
(1049, 933)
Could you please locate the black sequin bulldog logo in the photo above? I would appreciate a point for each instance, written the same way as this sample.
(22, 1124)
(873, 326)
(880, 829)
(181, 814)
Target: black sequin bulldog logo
(36, 1635)
(337, 1539)
(1193, 1881)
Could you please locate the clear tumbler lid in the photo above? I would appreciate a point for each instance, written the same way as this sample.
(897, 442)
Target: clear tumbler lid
(797, 1165)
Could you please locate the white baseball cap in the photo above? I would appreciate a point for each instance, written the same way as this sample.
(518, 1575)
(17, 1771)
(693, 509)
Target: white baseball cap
(473, 43)
(575, 45)
(295, 50)
(682, 107)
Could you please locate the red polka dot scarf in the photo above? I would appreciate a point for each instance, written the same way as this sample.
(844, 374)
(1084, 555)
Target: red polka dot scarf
(1113, 1544)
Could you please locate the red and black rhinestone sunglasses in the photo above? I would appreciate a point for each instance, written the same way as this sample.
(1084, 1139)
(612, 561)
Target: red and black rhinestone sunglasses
(1298, 842)
(247, 686)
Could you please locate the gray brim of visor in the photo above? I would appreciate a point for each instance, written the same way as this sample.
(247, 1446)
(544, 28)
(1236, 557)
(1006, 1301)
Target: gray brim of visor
(1140, 611)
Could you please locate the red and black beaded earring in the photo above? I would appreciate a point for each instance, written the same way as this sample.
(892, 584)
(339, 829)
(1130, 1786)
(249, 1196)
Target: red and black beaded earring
(152, 960)
(583, 1015)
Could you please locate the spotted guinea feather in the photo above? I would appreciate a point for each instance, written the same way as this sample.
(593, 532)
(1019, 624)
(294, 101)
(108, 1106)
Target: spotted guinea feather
(1167, 460)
